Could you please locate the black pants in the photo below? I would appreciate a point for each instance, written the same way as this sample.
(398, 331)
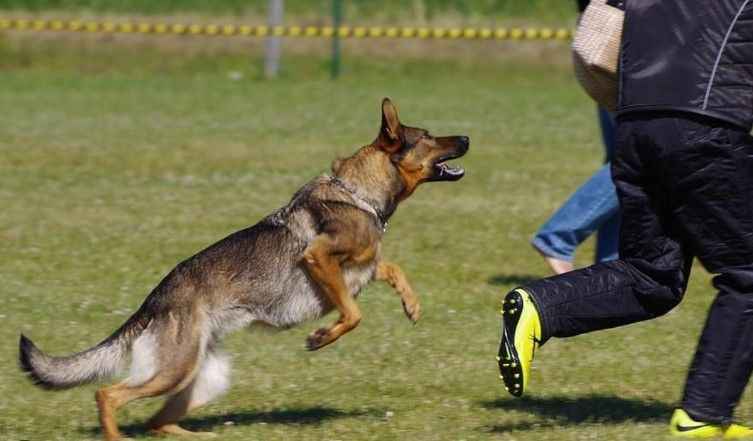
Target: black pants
(685, 185)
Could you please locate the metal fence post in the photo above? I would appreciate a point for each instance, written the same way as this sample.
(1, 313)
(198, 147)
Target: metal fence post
(337, 16)
(273, 45)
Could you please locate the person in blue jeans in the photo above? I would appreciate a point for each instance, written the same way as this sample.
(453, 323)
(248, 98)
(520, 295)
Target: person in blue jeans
(593, 207)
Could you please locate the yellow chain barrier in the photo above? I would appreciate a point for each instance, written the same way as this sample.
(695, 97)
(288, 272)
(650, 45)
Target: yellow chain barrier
(231, 30)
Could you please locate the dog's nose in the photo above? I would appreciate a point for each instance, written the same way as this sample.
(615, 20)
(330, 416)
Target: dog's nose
(464, 140)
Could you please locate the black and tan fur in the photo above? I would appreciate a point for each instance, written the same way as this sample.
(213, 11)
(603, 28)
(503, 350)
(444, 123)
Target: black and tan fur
(297, 264)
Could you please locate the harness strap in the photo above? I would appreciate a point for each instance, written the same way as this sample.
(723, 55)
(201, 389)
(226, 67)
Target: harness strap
(360, 202)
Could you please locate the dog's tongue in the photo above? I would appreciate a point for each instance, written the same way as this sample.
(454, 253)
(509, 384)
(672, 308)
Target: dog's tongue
(450, 171)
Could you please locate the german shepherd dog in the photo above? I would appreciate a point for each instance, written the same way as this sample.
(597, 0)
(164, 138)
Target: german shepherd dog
(307, 258)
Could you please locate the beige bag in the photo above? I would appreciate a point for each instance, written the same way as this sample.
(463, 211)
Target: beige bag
(596, 51)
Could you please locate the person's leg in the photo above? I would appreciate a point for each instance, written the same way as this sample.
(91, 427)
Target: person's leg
(607, 237)
(648, 280)
(592, 204)
(608, 127)
(721, 367)
(651, 275)
(714, 202)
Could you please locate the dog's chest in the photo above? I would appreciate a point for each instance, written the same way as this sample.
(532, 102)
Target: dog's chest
(358, 276)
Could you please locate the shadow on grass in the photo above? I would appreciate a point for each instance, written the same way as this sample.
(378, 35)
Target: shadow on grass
(589, 409)
(511, 279)
(304, 416)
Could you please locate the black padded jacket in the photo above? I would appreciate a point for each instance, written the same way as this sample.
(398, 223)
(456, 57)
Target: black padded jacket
(689, 55)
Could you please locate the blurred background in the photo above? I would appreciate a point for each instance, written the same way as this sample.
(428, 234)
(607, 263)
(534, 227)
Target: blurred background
(134, 133)
(409, 10)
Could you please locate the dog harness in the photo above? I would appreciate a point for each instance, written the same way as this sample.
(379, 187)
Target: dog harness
(361, 203)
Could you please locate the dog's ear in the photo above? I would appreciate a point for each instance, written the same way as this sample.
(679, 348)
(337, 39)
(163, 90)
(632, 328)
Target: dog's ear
(389, 138)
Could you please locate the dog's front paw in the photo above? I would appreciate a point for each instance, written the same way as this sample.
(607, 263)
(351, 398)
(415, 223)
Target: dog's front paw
(318, 339)
(412, 310)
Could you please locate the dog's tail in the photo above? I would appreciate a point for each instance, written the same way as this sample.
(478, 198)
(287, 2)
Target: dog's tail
(98, 362)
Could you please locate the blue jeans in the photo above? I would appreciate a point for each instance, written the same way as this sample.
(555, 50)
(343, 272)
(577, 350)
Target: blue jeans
(592, 207)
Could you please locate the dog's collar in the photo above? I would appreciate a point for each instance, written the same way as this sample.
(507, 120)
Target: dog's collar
(361, 202)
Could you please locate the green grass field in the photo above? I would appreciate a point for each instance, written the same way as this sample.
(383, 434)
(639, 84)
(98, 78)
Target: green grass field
(116, 163)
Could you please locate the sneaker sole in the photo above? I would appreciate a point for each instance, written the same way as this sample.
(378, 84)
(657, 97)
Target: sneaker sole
(510, 367)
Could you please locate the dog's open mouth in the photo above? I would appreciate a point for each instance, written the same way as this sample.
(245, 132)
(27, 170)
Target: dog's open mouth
(446, 172)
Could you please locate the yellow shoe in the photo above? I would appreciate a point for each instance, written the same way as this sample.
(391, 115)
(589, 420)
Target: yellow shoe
(521, 334)
(736, 431)
(683, 425)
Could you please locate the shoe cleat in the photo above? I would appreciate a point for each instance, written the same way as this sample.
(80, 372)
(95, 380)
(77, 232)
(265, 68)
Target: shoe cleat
(521, 334)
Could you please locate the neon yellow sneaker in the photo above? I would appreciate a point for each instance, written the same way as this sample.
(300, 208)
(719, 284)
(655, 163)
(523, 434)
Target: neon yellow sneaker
(736, 431)
(683, 425)
(521, 334)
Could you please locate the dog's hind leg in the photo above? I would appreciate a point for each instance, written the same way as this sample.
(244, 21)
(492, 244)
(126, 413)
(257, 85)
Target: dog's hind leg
(211, 380)
(394, 276)
(165, 359)
(110, 399)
